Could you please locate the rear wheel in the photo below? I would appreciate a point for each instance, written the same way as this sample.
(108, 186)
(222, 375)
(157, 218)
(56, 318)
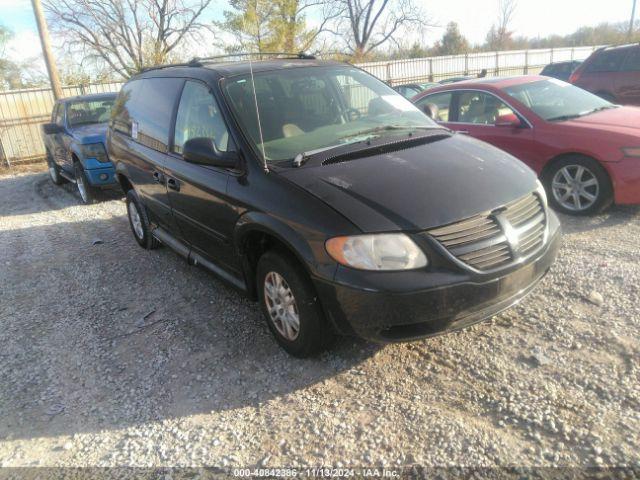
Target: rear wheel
(291, 306)
(87, 192)
(139, 222)
(578, 186)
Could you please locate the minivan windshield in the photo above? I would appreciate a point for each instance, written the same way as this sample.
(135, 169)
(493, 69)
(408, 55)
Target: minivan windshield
(555, 100)
(84, 112)
(311, 109)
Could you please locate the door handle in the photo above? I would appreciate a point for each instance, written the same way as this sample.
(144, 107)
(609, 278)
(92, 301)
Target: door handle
(157, 176)
(173, 184)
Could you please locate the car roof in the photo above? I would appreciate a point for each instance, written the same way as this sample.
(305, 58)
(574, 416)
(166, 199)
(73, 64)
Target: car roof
(216, 71)
(88, 97)
(489, 84)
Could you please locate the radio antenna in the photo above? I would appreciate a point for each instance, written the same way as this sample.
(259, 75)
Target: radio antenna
(255, 99)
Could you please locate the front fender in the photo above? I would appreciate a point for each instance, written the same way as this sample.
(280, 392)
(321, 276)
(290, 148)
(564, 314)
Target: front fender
(308, 247)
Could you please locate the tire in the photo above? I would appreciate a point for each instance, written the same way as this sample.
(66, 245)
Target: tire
(88, 193)
(54, 171)
(564, 172)
(313, 334)
(139, 222)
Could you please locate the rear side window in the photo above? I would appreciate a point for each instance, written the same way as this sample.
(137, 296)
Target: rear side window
(199, 117)
(632, 62)
(440, 100)
(607, 61)
(144, 110)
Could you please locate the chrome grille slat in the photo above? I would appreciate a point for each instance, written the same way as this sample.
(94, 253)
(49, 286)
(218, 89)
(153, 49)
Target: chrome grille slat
(480, 242)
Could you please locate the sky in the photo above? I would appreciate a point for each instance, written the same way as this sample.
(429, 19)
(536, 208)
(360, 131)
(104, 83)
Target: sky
(532, 18)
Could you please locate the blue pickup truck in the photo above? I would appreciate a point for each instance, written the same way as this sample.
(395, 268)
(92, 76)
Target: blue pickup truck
(75, 143)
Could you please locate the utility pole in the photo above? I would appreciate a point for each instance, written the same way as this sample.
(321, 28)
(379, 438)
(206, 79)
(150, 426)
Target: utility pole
(46, 49)
(633, 19)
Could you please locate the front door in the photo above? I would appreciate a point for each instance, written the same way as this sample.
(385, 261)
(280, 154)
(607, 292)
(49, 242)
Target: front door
(198, 193)
(476, 113)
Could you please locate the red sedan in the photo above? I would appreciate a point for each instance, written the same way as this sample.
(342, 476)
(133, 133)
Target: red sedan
(585, 150)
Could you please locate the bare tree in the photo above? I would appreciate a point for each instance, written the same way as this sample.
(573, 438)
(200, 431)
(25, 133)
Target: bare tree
(374, 22)
(127, 35)
(499, 35)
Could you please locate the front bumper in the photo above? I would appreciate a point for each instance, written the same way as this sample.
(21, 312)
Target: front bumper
(99, 174)
(410, 305)
(625, 176)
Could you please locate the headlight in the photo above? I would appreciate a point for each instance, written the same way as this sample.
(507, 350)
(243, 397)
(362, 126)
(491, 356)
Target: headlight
(631, 151)
(382, 251)
(95, 150)
(541, 191)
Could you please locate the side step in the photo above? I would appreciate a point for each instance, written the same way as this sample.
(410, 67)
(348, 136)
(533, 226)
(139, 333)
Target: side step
(67, 176)
(194, 258)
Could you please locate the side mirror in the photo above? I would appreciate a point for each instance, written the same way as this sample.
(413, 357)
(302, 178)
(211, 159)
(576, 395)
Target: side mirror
(508, 120)
(203, 151)
(51, 128)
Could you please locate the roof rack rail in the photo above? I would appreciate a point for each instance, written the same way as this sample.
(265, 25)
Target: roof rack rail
(261, 55)
(200, 61)
(191, 63)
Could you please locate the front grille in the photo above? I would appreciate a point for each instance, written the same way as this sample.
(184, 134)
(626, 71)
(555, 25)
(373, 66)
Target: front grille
(492, 240)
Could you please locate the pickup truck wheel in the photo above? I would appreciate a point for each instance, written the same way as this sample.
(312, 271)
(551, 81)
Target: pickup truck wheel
(88, 193)
(291, 306)
(54, 171)
(139, 222)
(578, 185)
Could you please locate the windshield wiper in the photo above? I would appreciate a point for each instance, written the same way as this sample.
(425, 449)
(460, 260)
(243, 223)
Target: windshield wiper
(384, 128)
(302, 157)
(581, 114)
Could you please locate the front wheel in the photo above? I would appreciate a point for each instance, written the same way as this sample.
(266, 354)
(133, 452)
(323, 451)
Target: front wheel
(291, 306)
(578, 186)
(87, 192)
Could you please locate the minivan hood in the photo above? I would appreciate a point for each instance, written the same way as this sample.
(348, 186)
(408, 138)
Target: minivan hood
(419, 187)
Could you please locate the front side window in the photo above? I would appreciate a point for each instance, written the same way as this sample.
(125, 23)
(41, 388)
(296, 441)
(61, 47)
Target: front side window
(556, 100)
(442, 101)
(481, 108)
(312, 108)
(88, 112)
(199, 117)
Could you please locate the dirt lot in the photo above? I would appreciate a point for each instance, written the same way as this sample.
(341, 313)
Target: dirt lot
(112, 355)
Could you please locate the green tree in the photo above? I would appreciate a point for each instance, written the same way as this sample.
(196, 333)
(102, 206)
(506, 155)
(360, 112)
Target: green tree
(273, 25)
(452, 42)
(9, 70)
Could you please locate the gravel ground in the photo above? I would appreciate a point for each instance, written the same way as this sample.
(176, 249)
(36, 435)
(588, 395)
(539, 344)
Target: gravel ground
(112, 355)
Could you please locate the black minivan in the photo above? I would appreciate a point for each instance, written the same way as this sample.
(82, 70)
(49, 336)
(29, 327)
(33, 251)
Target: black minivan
(325, 195)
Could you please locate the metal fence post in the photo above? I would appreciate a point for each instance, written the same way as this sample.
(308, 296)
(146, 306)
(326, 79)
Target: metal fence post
(526, 62)
(466, 64)
(431, 70)
(497, 64)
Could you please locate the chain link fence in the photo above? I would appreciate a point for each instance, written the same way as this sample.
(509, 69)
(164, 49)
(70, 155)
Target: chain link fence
(23, 111)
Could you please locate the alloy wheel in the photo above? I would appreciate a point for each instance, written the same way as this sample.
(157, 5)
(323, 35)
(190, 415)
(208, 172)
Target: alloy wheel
(281, 305)
(136, 221)
(575, 187)
(82, 188)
